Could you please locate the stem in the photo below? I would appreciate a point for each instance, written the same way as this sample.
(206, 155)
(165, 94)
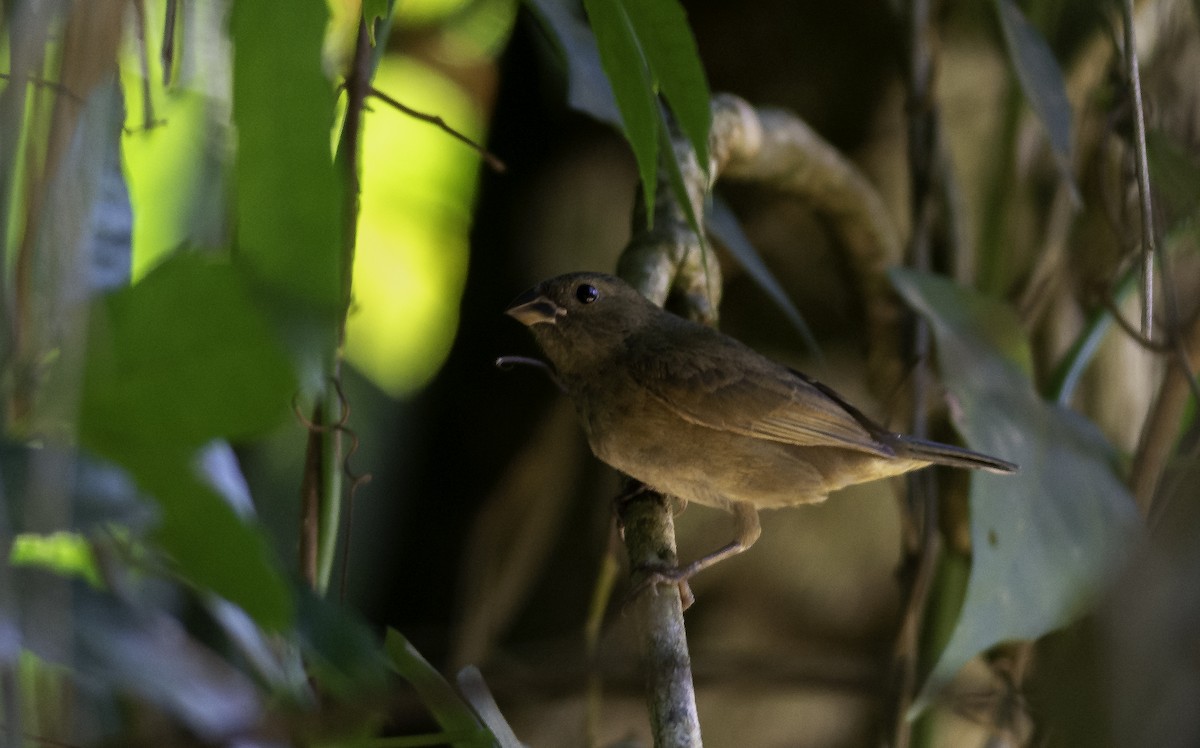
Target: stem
(1143, 171)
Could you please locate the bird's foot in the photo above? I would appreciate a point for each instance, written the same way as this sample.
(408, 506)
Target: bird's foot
(653, 575)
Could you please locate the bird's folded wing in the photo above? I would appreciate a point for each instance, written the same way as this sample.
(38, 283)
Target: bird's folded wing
(753, 396)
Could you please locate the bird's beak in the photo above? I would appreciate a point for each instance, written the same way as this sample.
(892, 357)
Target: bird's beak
(531, 308)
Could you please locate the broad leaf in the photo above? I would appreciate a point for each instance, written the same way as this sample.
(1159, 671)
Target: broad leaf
(1047, 539)
(287, 195)
(177, 360)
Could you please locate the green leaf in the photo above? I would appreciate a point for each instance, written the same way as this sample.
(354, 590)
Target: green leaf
(1041, 81)
(287, 195)
(670, 53)
(632, 86)
(1044, 540)
(588, 89)
(644, 47)
(180, 359)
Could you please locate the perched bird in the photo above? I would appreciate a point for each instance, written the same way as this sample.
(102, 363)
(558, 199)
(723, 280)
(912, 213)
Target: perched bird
(695, 414)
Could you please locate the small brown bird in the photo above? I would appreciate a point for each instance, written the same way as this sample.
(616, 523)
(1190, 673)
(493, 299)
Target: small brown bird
(698, 415)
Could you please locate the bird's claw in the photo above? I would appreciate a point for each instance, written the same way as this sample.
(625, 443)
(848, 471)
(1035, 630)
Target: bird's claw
(653, 575)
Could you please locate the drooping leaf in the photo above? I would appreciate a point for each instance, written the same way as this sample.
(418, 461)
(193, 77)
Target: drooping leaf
(644, 48)
(632, 85)
(588, 89)
(1041, 81)
(725, 227)
(670, 52)
(1045, 540)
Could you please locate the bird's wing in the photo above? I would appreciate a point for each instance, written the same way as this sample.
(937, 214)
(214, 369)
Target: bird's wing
(730, 387)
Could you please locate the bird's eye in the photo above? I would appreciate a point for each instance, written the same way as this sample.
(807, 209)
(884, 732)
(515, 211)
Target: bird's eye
(586, 293)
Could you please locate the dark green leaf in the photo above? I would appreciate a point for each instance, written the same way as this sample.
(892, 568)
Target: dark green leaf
(632, 85)
(670, 53)
(1041, 81)
(177, 360)
(1048, 538)
(338, 647)
(287, 197)
(588, 89)
(181, 358)
(725, 227)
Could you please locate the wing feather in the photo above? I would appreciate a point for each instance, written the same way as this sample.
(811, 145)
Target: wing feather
(733, 388)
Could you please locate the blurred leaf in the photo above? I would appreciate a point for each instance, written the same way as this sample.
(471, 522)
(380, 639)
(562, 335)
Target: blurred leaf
(373, 10)
(287, 195)
(438, 696)
(1045, 540)
(725, 227)
(588, 89)
(179, 359)
(98, 493)
(1041, 80)
(338, 647)
(110, 644)
(64, 553)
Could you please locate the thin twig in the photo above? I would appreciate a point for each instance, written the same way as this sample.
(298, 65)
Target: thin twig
(492, 161)
(1133, 333)
(1143, 172)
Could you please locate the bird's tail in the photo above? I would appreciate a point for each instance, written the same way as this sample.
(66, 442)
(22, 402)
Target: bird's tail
(946, 454)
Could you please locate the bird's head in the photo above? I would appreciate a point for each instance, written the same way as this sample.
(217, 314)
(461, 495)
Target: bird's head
(581, 319)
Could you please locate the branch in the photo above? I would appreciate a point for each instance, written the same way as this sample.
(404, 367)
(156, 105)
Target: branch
(495, 163)
(1143, 171)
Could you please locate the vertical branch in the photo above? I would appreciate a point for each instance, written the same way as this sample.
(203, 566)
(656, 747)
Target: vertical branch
(322, 487)
(921, 508)
(1143, 170)
(670, 695)
(654, 261)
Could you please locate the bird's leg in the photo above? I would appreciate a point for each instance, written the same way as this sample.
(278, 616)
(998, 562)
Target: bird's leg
(746, 531)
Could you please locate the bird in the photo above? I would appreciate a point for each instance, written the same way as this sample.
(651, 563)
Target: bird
(693, 413)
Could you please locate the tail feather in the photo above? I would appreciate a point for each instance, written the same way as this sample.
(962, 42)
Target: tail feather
(947, 454)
